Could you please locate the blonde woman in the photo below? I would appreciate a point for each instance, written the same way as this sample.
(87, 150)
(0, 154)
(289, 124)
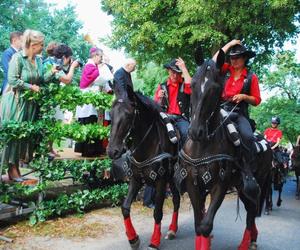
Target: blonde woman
(25, 73)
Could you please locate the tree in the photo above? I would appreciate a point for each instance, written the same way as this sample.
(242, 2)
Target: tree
(283, 76)
(288, 111)
(159, 30)
(59, 25)
(147, 78)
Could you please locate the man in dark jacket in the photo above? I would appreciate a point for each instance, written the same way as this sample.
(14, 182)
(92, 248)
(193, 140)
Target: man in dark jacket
(15, 45)
(122, 77)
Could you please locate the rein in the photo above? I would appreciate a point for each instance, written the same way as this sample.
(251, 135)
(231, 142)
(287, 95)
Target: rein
(147, 162)
(204, 160)
(212, 134)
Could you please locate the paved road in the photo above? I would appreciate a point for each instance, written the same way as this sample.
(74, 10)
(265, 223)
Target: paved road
(278, 231)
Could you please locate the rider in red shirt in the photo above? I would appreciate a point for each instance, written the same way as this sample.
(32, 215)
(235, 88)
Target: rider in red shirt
(241, 89)
(273, 135)
(174, 95)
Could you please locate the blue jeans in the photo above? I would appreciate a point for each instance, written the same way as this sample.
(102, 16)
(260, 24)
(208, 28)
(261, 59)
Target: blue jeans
(183, 126)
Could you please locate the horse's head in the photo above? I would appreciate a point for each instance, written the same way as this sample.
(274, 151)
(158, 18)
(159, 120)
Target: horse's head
(123, 115)
(207, 85)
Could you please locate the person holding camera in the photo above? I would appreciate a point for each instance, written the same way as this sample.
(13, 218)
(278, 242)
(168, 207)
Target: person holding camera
(174, 95)
(61, 59)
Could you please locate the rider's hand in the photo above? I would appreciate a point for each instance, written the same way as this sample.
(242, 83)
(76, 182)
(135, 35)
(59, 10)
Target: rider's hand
(234, 42)
(161, 93)
(239, 97)
(35, 88)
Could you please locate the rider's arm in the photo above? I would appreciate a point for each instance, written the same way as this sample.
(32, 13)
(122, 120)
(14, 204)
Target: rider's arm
(226, 48)
(277, 143)
(185, 74)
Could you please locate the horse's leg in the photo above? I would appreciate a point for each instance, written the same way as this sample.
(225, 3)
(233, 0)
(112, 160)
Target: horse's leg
(279, 195)
(298, 188)
(268, 198)
(176, 203)
(132, 236)
(160, 188)
(250, 233)
(217, 195)
(198, 202)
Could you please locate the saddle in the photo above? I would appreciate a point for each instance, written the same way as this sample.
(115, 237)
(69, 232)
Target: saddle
(234, 136)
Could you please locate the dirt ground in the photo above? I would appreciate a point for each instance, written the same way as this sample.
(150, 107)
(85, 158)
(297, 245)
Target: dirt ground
(82, 231)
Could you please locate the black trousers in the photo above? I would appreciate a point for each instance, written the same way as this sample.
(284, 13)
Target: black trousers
(247, 137)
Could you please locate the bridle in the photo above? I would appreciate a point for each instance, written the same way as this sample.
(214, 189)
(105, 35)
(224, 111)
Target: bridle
(135, 114)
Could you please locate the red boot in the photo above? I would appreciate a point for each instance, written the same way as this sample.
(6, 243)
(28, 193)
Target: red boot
(205, 243)
(130, 231)
(246, 240)
(155, 239)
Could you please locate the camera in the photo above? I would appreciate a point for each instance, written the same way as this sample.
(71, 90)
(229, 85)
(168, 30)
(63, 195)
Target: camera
(78, 60)
(58, 63)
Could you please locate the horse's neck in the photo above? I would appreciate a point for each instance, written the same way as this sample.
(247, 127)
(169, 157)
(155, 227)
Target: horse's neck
(145, 138)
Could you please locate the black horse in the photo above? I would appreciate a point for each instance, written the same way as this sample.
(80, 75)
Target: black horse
(277, 177)
(210, 163)
(296, 166)
(136, 125)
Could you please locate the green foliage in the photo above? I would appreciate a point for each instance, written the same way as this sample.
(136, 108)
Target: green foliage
(287, 110)
(159, 30)
(285, 77)
(149, 77)
(78, 202)
(59, 25)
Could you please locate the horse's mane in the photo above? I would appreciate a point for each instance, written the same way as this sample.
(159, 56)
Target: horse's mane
(148, 103)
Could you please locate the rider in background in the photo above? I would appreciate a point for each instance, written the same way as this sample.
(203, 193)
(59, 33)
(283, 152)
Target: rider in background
(274, 135)
(174, 95)
(241, 88)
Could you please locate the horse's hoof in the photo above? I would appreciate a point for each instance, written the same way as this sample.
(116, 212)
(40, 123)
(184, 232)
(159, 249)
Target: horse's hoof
(279, 203)
(135, 244)
(267, 212)
(152, 247)
(253, 246)
(171, 235)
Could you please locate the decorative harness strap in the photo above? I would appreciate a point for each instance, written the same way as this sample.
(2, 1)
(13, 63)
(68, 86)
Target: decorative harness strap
(205, 160)
(148, 162)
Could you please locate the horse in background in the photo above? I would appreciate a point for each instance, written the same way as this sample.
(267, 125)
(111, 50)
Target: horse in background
(209, 162)
(278, 179)
(296, 166)
(136, 125)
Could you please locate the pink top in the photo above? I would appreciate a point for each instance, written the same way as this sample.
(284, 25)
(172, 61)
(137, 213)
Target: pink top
(89, 74)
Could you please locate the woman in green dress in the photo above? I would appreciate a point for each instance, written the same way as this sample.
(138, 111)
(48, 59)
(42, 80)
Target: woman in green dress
(25, 73)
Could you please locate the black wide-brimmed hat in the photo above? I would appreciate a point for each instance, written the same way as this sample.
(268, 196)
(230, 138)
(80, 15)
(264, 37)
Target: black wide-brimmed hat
(239, 49)
(172, 65)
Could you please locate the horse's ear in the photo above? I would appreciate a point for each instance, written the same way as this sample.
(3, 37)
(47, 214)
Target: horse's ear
(199, 58)
(220, 59)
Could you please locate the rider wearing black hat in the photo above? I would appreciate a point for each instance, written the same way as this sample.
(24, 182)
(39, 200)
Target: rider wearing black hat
(241, 89)
(174, 95)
